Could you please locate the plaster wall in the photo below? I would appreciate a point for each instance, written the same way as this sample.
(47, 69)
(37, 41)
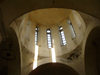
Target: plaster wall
(25, 30)
(27, 51)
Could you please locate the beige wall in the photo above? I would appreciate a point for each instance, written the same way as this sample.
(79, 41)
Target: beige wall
(14, 8)
(75, 46)
(91, 23)
(25, 29)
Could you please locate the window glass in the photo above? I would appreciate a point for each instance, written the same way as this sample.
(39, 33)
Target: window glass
(73, 34)
(36, 35)
(49, 40)
(62, 35)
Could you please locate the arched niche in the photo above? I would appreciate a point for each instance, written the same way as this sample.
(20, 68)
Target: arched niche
(92, 53)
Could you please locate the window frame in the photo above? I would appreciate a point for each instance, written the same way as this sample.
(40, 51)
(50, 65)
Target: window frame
(62, 36)
(36, 35)
(49, 38)
(72, 30)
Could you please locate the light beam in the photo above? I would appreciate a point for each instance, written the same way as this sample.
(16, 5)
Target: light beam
(35, 57)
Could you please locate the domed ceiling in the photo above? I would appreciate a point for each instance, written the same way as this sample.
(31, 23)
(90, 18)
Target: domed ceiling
(50, 18)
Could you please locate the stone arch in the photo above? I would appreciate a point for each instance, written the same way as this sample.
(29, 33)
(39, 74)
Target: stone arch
(53, 69)
(92, 52)
(10, 54)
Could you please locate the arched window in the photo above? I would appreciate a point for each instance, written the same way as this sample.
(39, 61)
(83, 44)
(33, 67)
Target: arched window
(73, 34)
(36, 35)
(62, 35)
(49, 39)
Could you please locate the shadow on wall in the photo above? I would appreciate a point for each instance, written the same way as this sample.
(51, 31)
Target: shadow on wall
(92, 53)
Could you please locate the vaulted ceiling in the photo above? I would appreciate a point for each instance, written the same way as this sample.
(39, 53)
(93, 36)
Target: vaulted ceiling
(11, 9)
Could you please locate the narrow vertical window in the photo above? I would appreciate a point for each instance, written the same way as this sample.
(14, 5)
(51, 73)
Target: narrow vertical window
(62, 35)
(36, 35)
(73, 34)
(36, 49)
(49, 40)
